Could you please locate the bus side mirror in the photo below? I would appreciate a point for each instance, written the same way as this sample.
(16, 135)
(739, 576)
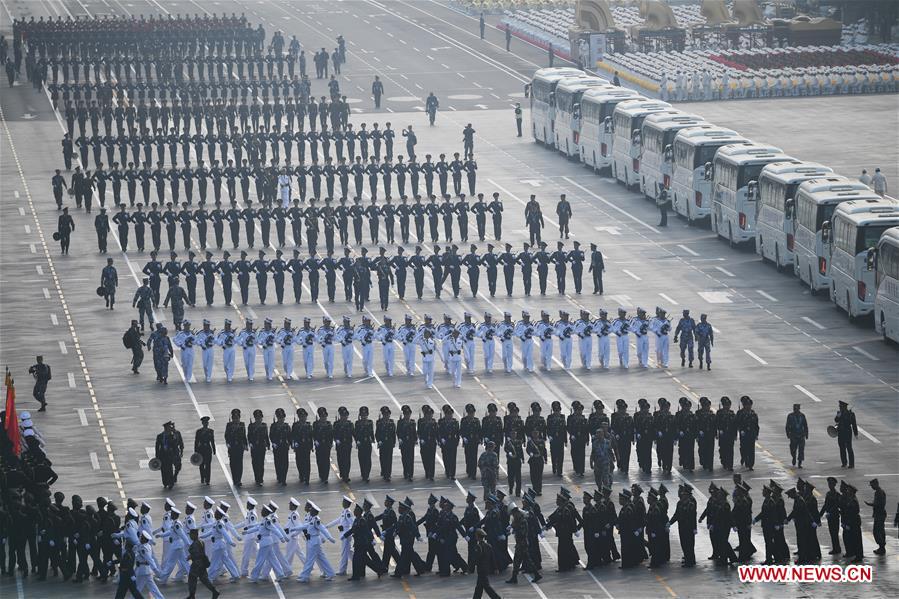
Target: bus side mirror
(825, 231)
(871, 259)
(635, 137)
(669, 153)
(752, 191)
(576, 111)
(789, 207)
(709, 171)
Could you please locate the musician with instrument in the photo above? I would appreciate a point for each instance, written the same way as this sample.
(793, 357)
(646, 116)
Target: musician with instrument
(185, 340)
(204, 447)
(246, 339)
(266, 340)
(621, 326)
(226, 340)
(661, 326)
(205, 340)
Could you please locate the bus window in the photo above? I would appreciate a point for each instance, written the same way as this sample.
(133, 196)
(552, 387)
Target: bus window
(868, 236)
(749, 172)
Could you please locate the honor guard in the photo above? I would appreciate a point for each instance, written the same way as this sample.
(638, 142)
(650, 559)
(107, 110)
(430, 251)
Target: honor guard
(407, 439)
(640, 327)
(204, 444)
(487, 331)
(442, 334)
(227, 340)
(343, 443)
(323, 440)
(364, 435)
(467, 333)
(279, 437)
(246, 340)
(285, 337)
(325, 335)
(505, 332)
(583, 327)
(705, 339)
(386, 334)
(427, 346)
(545, 330)
(385, 437)
(259, 444)
(407, 335)
(524, 330)
(302, 442)
(365, 335)
(706, 431)
(344, 523)
(686, 328)
(455, 346)
(346, 334)
(470, 434)
(621, 326)
(448, 440)
(621, 430)
(747, 425)
(236, 442)
(564, 330)
(661, 326)
(185, 340)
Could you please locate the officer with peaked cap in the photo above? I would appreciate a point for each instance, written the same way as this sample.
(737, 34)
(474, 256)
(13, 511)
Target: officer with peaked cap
(204, 444)
(847, 429)
(747, 424)
(266, 339)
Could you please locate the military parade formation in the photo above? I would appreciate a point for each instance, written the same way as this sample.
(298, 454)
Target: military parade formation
(218, 156)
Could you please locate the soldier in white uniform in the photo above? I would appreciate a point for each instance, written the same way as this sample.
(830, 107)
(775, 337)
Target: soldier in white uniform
(250, 546)
(314, 553)
(325, 337)
(661, 326)
(177, 540)
(564, 329)
(267, 534)
(505, 331)
(486, 332)
(305, 338)
(246, 339)
(467, 331)
(544, 330)
(455, 346)
(165, 526)
(184, 340)
(227, 340)
(345, 334)
(407, 335)
(145, 567)
(284, 188)
(524, 330)
(365, 335)
(428, 347)
(265, 339)
(205, 340)
(386, 335)
(640, 327)
(443, 332)
(224, 506)
(344, 522)
(219, 539)
(276, 547)
(145, 520)
(583, 326)
(294, 520)
(621, 327)
(286, 337)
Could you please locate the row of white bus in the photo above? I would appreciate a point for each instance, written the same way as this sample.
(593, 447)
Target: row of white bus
(835, 233)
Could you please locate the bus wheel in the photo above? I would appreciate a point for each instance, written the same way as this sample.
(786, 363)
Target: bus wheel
(777, 263)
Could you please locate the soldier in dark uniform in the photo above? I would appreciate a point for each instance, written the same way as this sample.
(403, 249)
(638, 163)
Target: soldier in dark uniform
(204, 444)
(258, 441)
(846, 430)
(879, 515)
(725, 422)
(470, 432)
(236, 442)
(448, 438)
(685, 516)
(279, 437)
(385, 436)
(622, 434)
(578, 434)
(521, 561)
(323, 440)
(665, 431)
(427, 440)
(363, 434)
(741, 514)
(747, 426)
(797, 433)
(685, 424)
(407, 438)
(566, 522)
(537, 459)
(167, 451)
(514, 458)
(831, 509)
(490, 260)
(343, 440)
(448, 529)
(301, 440)
(558, 437)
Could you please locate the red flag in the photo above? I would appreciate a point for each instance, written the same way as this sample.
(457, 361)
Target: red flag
(12, 419)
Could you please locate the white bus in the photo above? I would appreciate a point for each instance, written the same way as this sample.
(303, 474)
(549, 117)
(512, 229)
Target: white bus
(815, 203)
(735, 173)
(852, 233)
(691, 183)
(543, 104)
(627, 119)
(656, 153)
(777, 194)
(597, 106)
(567, 122)
(886, 278)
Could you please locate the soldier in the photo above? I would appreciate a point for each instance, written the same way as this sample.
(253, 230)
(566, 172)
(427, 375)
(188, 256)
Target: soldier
(64, 228)
(747, 425)
(101, 225)
(428, 346)
(566, 522)
(665, 428)
(533, 219)
(505, 331)
(524, 330)
(132, 341)
(323, 439)
(797, 433)
(621, 326)
(558, 437)
(685, 422)
(563, 211)
(601, 457)
(846, 430)
(470, 433)
(407, 439)
(488, 464)
(246, 339)
(486, 331)
(495, 208)
(536, 452)
(725, 422)
(385, 435)
(578, 435)
(167, 452)
(162, 354)
(742, 521)
(343, 442)
(640, 326)
(514, 458)
(583, 327)
(427, 440)
(686, 328)
(706, 431)
(622, 428)
(455, 347)
(705, 339)
(259, 443)
(279, 437)
(564, 329)
(448, 432)
(685, 517)
(204, 444)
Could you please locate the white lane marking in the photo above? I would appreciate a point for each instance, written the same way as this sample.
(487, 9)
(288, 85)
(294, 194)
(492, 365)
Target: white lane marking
(15, 194)
(686, 249)
(46, 293)
(869, 435)
(203, 410)
(611, 205)
(668, 299)
(27, 230)
(630, 274)
(82, 416)
(725, 271)
(807, 393)
(21, 211)
(755, 357)
(866, 354)
(71, 380)
(429, 57)
(767, 296)
(62, 348)
(445, 66)
(54, 320)
(39, 270)
(32, 247)
(95, 461)
(716, 297)
(818, 326)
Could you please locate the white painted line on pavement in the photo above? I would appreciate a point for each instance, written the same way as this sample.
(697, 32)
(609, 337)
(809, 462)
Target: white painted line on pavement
(82, 416)
(32, 247)
(71, 377)
(686, 249)
(630, 274)
(716, 297)
(866, 354)
(818, 326)
(21, 211)
(95, 461)
(807, 393)
(15, 194)
(27, 230)
(62, 348)
(445, 66)
(46, 293)
(39, 270)
(755, 357)
(203, 409)
(54, 320)
(611, 205)
(767, 296)
(668, 299)
(725, 271)
(869, 435)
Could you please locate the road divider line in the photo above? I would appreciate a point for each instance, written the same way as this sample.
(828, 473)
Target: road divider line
(630, 274)
(866, 354)
(818, 326)
(725, 271)
(62, 348)
(869, 435)
(767, 296)
(95, 461)
(71, 380)
(82, 416)
(686, 249)
(755, 357)
(668, 299)
(807, 393)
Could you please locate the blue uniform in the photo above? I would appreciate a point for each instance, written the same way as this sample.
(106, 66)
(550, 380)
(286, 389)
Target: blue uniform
(705, 336)
(686, 327)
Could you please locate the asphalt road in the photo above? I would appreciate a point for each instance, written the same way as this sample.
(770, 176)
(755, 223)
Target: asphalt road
(773, 341)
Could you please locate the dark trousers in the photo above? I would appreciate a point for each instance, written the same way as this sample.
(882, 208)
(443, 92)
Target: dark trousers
(192, 578)
(833, 527)
(687, 543)
(344, 451)
(127, 585)
(513, 469)
(578, 449)
(797, 449)
(206, 466)
(536, 466)
(235, 462)
(281, 455)
(303, 462)
(364, 454)
(747, 451)
(726, 452)
(428, 457)
(845, 443)
(483, 586)
(521, 561)
(471, 460)
(257, 457)
(557, 454)
(409, 559)
(407, 453)
(449, 459)
(323, 461)
(168, 472)
(385, 454)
